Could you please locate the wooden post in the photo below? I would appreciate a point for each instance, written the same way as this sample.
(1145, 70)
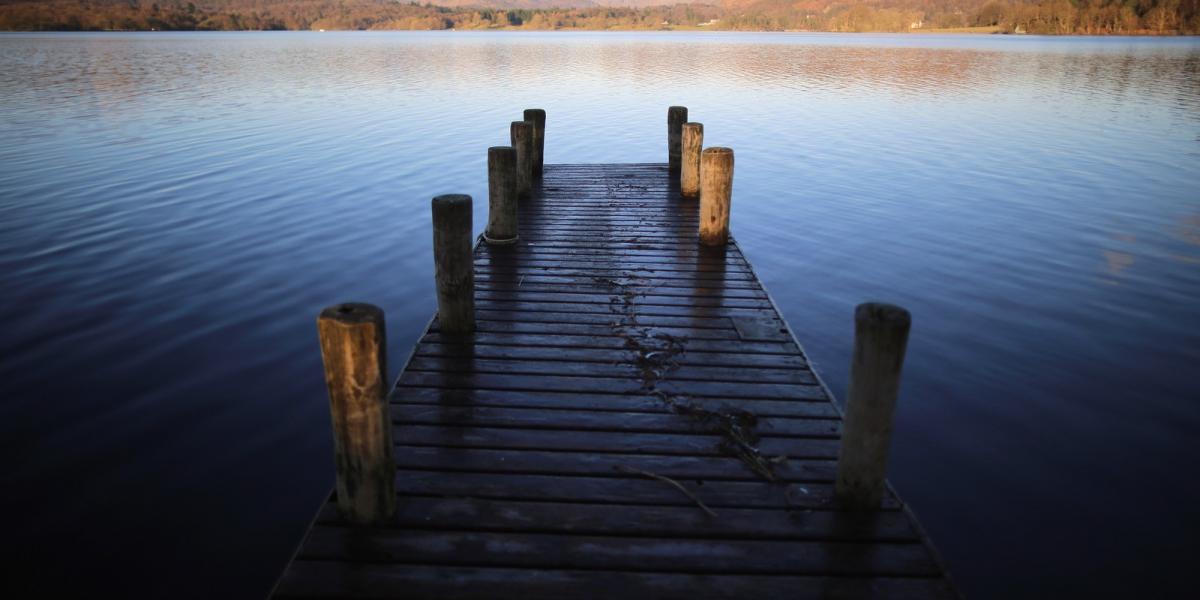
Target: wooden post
(537, 116)
(676, 117)
(521, 133)
(693, 142)
(502, 196)
(880, 337)
(454, 267)
(354, 350)
(716, 193)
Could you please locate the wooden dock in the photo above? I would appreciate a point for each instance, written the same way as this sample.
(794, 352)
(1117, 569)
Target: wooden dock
(631, 418)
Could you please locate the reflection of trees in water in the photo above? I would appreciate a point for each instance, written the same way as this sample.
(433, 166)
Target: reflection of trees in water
(802, 66)
(114, 71)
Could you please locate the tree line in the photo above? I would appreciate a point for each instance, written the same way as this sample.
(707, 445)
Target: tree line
(1159, 17)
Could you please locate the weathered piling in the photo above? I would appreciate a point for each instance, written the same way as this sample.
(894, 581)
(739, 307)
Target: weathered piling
(676, 117)
(502, 196)
(880, 338)
(537, 116)
(454, 267)
(354, 350)
(716, 193)
(693, 143)
(521, 133)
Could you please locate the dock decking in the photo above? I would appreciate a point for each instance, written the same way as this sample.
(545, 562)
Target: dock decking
(615, 361)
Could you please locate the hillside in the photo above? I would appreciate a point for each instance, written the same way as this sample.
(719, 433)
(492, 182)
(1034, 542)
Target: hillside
(1098, 17)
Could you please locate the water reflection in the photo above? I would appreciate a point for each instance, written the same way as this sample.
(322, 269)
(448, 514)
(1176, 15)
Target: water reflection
(113, 76)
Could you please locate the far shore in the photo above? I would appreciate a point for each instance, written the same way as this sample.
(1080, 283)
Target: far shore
(989, 30)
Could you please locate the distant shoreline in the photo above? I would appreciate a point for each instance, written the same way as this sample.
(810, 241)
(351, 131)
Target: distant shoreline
(965, 31)
(1036, 17)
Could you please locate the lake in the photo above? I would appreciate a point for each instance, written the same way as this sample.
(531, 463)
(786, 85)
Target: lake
(176, 208)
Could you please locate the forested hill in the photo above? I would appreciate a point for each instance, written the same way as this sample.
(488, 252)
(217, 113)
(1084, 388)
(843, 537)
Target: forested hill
(1162, 17)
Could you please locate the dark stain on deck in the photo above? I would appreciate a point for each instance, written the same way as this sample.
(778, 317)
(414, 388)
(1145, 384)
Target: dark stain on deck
(632, 418)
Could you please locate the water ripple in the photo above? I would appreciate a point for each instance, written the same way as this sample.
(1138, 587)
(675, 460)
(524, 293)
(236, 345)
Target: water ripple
(175, 209)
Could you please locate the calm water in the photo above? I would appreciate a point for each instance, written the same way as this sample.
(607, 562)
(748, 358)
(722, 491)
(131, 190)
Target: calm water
(176, 208)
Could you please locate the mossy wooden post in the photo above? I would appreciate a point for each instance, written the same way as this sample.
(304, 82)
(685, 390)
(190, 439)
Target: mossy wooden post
(521, 133)
(537, 116)
(502, 196)
(354, 350)
(880, 338)
(716, 193)
(689, 177)
(676, 117)
(454, 268)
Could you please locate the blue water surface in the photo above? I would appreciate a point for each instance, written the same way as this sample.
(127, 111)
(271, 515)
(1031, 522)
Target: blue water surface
(176, 208)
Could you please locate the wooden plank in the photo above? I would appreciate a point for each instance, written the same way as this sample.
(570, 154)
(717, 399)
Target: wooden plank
(585, 420)
(577, 440)
(648, 521)
(577, 329)
(612, 224)
(519, 262)
(557, 462)
(685, 357)
(670, 245)
(628, 183)
(550, 383)
(646, 300)
(527, 281)
(620, 490)
(605, 216)
(759, 328)
(668, 234)
(598, 288)
(651, 372)
(569, 192)
(601, 402)
(584, 222)
(621, 306)
(707, 278)
(616, 341)
(614, 246)
(325, 579)
(622, 253)
(631, 179)
(606, 219)
(624, 259)
(618, 203)
(532, 257)
(550, 551)
(539, 217)
(612, 319)
(604, 196)
(604, 169)
(706, 284)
